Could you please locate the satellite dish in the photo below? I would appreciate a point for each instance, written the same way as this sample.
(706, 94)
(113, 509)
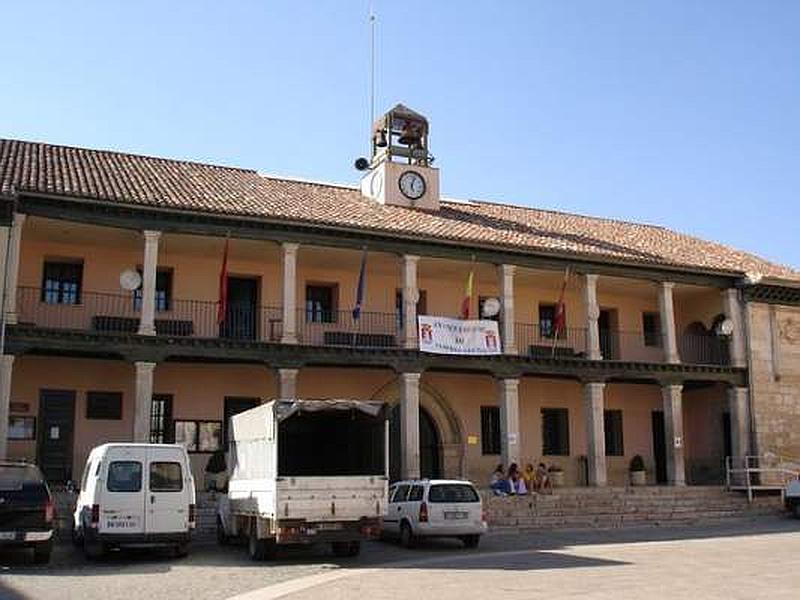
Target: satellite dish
(362, 164)
(725, 327)
(491, 307)
(130, 280)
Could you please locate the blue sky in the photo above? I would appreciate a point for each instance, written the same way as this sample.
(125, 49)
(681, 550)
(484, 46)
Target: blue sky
(680, 113)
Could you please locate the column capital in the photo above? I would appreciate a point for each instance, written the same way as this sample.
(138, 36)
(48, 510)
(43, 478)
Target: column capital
(594, 382)
(667, 285)
(508, 382)
(672, 386)
(290, 247)
(410, 376)
(507, 270)
(591, 278)
(151, 235)
(7, 360)
(144, 366)
(410, 258)
(19, 219)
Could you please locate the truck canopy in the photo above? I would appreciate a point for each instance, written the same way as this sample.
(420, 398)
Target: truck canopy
(330, 438)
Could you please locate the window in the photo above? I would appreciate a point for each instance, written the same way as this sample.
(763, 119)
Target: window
(161, 428)
(165, 477)
(555, 432)
(61, 282)
(199, 436)
(452, 492)
(490, 430)
(547, 321)
(21, 428)
(481, 301)
(321, 303)
(124, 476)
(613, 428)
(163, 291)
(422, 306)
(415, 495)
(651, 328)
(400, 493)
(104, 405)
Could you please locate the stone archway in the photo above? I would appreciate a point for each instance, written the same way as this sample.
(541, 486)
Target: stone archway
(440, 430)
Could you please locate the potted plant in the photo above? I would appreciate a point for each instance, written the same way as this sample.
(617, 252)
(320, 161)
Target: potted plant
(556, 474)
(216, 472)
(638, 471)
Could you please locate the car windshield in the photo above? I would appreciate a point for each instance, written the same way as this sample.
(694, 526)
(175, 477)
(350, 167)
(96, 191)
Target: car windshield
(452, 492)
(13, 477)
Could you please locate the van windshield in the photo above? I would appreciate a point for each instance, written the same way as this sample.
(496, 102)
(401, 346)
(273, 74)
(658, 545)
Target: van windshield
(452, 492)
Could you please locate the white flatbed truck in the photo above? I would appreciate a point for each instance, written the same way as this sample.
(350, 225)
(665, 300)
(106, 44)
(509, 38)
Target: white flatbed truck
(305, 472)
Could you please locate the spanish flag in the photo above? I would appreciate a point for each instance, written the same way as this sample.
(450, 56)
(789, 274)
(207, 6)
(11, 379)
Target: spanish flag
(466, 303)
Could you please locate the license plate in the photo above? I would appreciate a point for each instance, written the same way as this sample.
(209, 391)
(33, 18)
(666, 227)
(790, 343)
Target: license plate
(122, 524)
(455, 515)
(329, 526)
(8, 535)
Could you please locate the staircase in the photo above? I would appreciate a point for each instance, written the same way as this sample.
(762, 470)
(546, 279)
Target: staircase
(615, 507)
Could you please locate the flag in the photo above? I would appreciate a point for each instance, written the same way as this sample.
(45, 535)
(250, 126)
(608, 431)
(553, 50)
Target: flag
(466, 303)
(222, 306)
(360, 287)
(560, 320)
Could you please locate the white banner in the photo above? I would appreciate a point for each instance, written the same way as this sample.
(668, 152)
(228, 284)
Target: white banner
(440, 335)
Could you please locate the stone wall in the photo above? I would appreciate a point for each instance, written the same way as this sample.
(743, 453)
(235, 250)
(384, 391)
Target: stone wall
(775, 377)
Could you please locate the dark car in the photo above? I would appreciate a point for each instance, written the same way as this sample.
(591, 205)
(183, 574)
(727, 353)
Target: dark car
(26, 510)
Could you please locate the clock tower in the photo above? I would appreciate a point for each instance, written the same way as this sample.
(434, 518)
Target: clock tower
(400, 172)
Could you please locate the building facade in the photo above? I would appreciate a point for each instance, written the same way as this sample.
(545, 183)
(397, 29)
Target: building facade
(677, 350)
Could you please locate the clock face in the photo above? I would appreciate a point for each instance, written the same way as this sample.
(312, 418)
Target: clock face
(412, 185)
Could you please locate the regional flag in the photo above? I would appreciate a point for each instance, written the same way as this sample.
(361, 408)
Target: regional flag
(466, 303)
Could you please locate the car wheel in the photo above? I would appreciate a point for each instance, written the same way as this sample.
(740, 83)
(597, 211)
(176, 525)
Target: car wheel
(406, 536)
(471, 541)
(222, 537)
(42, 552)
(260, 549)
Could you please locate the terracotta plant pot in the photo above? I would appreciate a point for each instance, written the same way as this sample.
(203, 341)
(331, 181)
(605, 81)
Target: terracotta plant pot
(638, 478)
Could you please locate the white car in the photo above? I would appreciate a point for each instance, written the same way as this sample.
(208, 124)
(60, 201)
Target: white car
(434, 508)
(135, 495)
(792, 497)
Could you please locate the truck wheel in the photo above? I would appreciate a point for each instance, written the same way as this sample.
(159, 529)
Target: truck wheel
(406, 536)
(42, 552)
(355, 549)
(260, 549)
(346, 549)
(222, 537)
(471, 541)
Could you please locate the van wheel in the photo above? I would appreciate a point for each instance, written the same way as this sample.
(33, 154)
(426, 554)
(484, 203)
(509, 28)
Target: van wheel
(181, 551)
(42, 552)
(93, 550)
(260, 549)
(470, 541)
(222, 537)
(406, 536)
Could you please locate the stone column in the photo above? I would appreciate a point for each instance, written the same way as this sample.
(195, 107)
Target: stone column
(593, 411)
(144, 400)
(733, 311)
(15, 233)
(508, 394)
(505, 274)
(667, 310)
(672, 395)
(410, 293)
(6, 368)
(409, 425)
(738, 406)
(289, 292)
(592, 309)
(149, 269)
(287, 383)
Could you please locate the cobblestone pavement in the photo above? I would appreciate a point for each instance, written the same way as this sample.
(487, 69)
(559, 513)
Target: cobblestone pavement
(749, 559)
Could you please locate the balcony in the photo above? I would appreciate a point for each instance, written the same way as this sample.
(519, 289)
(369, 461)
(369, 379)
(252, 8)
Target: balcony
(99, 312)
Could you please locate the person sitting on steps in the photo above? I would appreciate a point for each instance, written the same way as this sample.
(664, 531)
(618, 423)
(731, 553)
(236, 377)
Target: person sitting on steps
(499, 484)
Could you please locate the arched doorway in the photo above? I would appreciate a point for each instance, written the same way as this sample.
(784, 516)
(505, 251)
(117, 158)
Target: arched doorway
(429, 446)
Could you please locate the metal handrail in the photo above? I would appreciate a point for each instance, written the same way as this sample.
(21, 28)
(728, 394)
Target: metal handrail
(755, 468)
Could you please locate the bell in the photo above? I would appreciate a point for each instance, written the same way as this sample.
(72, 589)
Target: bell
(380, 139)
(409, 136)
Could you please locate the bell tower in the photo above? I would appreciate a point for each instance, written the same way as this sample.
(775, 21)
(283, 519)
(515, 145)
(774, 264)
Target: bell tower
(399, 171)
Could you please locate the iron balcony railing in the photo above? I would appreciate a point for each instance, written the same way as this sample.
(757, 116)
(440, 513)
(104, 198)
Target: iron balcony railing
(341, 328)
(540, 341)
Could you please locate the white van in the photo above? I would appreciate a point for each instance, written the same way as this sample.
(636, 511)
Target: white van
(135, 495)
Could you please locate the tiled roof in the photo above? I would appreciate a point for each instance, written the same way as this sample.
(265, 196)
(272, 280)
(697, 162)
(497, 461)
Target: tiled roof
(164, 183)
